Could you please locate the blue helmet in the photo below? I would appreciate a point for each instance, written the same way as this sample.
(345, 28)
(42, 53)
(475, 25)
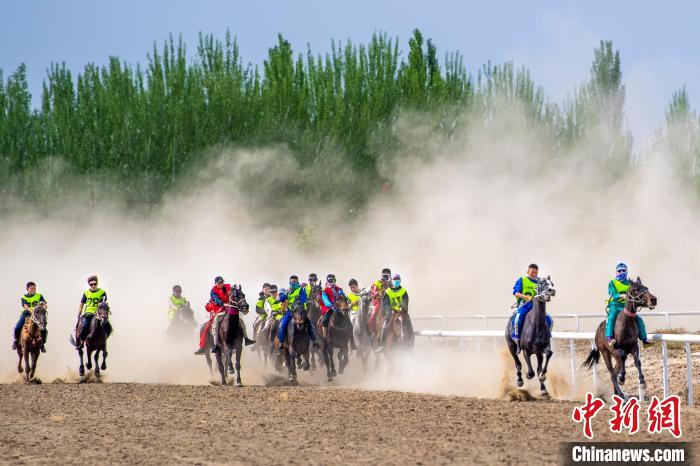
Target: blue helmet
(621, 266)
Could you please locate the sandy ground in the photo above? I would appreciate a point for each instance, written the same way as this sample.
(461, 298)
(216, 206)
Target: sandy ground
(179, 424)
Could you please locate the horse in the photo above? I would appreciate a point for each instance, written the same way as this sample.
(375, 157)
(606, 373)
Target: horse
(397, 339)
(360, 328)
(535, 337)
(626, 336)
(30, 340)
(313, 305)
(230, 335)
(297, 343)
(96, 341)
(337, 335)
(374, 327)
(182, 323)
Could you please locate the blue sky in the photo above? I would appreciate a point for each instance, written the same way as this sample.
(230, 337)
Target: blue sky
(554, 39)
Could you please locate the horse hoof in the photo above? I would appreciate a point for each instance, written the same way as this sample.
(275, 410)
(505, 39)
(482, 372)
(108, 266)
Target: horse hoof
(103, 366)
(333, 373)
(643, 385)
(239, 384)
(543, 377)
(305, 367)
(89, 366)
(621, 380)
(545, 394)
(519, 382)
(530, 375)
(330, 379)
(81, 371)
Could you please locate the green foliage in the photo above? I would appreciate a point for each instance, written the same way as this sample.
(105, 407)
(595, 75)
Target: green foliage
(142, 132)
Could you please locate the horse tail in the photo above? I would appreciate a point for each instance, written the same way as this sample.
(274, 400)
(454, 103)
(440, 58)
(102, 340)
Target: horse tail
(593, 358)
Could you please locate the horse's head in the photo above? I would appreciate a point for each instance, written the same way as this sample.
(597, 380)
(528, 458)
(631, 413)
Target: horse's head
(39, 315)
(342, 304)
(316, 292)
(103, 312)
(186, 314)
(366, 295)
(640, 296)
(299, 314)
(237, 299)
(545, 289)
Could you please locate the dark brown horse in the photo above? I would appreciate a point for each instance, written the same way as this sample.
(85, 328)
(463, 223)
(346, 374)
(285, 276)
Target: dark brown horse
(30, 340)
(626, 336)
(297, 343)
(96, 341)
(535, 337)
(336, 335)
(230, 335)
(360, 327)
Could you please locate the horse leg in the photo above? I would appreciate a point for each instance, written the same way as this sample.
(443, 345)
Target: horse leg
(230, 362)
(332, 360)
(220, 365)
(548, 356)
(104, 359)
(613, 370)
(638, 365)
(342, 359)
(35, 358)
(207, 357)
(97, 362)
(328, 361)
(305, 365)
(81, 368)
(623, 372)
(88, 362)
(27, 367)
(20, 355)
(239, 350)
(530, 372)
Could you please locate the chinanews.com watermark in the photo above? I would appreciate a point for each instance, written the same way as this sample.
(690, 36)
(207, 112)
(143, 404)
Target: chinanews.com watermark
(661, 415)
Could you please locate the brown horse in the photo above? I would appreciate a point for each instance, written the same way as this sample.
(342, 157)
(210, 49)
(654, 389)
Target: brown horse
(336, 335)
(96, 341)
(230, 335)
(30, 340)
(297, 343)
(626, 338)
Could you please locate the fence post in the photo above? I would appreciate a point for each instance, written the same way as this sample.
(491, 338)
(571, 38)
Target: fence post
(668, 320)
(572, 348)
(664, 358)
(689, 363)
(577, 324)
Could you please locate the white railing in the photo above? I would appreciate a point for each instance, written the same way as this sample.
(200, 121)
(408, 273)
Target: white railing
(572, 336)
(576, 317)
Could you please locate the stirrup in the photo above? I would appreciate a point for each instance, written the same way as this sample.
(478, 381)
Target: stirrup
(611, 343)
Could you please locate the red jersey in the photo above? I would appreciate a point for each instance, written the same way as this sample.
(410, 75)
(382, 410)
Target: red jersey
(331, 293)
(217, 298)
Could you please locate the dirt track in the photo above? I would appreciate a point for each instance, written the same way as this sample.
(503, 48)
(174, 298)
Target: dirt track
(177, 424)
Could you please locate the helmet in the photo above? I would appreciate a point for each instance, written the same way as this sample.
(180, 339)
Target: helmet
(396, 277)
(621, 266)
(273, 288)
(282, 296)
(219, 280)
(177, 288)
(330, 278)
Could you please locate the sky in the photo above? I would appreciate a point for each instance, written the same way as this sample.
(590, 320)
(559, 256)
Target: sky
(554, 39)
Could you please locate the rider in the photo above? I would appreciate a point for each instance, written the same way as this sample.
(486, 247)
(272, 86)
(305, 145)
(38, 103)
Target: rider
(313, 281)
(377, 292)
(328, 298)
(396, 300)
(354, 298)
(524, 290)
(176, 302)
(296, 294)
(89, 302)
(274, 307)
(260, 306)
(617, 290)
(29, 301)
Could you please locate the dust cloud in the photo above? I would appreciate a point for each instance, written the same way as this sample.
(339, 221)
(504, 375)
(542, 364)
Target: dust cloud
(463, 219)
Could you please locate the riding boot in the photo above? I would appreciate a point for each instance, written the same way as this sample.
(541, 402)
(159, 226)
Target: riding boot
(14, 344)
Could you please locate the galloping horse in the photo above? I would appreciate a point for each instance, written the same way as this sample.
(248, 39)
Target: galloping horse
(30, 340)
(182, 323)
(337, 335)
(360, 327)
(397, 338)
(535, 337)
(230, 335)
(626, 338)
(96, 341)
(313, 305)
(297, 343)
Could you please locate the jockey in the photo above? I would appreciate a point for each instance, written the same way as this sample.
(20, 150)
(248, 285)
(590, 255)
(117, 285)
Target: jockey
(396, 300)
(354, 298)
(260, 303)
(296, 294)
(377, 292)
(89, 302)
(524, 290)
(176, 302)
(28, 302)
(275, 304)
(328, 297)
(617, 290)
(313, 281)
